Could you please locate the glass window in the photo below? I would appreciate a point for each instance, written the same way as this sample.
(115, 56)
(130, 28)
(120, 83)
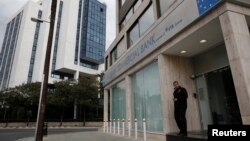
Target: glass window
(106, 63)
(134, 35)
(121, 48)
(165, 4)
(146, 20)
(119, 101)
(122, 2)
(147, 97)
(130, 13)
(113, 55)
(137, 4)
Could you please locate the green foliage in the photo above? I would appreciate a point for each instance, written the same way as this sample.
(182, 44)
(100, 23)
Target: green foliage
(23, 100)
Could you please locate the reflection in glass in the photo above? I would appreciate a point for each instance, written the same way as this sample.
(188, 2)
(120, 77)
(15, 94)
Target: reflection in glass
(165, 4)
(146, 20)
(147, 98)
(119, 101)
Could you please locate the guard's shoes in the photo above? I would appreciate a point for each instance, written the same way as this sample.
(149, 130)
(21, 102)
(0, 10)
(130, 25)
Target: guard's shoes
(182, 134)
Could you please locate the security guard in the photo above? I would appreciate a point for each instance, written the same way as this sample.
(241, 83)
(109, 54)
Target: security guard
(180, 107)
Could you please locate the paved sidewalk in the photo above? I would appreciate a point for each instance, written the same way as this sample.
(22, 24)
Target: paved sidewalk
(83, 136)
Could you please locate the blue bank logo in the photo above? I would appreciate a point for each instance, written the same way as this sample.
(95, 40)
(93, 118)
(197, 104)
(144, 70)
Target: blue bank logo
(205, 5)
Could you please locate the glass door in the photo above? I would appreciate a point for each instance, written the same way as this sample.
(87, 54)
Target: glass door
(217, 98)
(203, 102)
(223, 99)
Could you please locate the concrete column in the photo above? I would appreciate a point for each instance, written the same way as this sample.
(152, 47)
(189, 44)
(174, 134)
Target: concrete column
(174, 68)
(128, 97)
(156, 8)
(110, 103)
(105, 112)
(117, 17)
(76, 77)
(237, 40)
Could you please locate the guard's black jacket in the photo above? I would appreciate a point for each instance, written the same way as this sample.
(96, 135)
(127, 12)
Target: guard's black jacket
(181, 95)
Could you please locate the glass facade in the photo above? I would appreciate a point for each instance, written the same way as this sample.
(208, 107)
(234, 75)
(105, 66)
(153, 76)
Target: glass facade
(122, 2)
(79, 21)
(130, 13)
(90, 38)
(118, 51)
(56, 40)
(8, 50)
(147, 97)
(119, 101)
(34, 48)
(141, 26)
(165, 4)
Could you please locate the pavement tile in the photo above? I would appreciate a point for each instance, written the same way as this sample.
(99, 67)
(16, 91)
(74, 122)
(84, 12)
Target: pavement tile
(83, 136)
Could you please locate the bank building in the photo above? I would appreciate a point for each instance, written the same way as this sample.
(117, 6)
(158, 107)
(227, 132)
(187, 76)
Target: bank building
(203, 44)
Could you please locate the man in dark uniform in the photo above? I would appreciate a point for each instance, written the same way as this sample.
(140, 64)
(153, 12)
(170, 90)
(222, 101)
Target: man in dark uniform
(180, 107)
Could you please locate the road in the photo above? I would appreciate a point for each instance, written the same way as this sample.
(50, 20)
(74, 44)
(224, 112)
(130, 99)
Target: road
(15, 134)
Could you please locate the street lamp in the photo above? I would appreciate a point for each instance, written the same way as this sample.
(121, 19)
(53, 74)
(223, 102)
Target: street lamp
(44, 86)
(38, 20)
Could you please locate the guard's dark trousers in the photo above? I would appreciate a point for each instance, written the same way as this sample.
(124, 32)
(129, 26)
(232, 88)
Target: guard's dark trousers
(180, 117)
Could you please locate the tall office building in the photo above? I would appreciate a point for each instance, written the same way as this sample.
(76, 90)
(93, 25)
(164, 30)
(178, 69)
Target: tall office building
(203, 44)
(78, 44)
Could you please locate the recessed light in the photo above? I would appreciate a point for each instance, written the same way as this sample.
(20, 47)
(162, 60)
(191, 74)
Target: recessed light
(203, 41)
(183, 51)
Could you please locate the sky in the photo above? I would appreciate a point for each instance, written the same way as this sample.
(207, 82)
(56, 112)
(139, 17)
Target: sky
(9, 7)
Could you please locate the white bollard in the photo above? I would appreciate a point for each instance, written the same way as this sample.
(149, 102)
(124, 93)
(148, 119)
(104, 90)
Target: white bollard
(123, 130)
(144, 129)
(129, 128)
(118, 126)
(114, 126)
(110, 126)
(104, 126)
(136, 129)
(107, 127)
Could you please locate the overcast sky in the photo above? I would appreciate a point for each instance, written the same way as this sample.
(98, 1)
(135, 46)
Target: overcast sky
(10, 7)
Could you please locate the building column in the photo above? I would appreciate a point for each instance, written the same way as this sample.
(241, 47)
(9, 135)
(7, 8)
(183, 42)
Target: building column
(106, 99)
(237, 40)
(117, 17)
(128, 98)
(175, 68)
(156, 8)
(76, 77)
(110, 104)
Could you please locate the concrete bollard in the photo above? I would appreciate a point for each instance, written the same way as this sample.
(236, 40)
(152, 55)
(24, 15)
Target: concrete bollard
(129, 128)
(114, 125)
(110, 126)
(136, 129)
(107, 127)
(118, 126)
(104, 126)
(144, 130)
(123, 129)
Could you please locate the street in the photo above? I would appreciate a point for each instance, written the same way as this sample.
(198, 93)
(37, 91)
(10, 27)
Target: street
(15, 134)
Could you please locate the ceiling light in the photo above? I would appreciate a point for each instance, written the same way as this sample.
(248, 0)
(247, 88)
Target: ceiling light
(203, 41)
(183, 51)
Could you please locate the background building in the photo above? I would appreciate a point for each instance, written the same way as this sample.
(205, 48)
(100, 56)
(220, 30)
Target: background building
(202, 44)
(78, 47)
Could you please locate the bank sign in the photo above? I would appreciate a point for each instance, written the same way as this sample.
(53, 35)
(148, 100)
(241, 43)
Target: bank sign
(184, 14)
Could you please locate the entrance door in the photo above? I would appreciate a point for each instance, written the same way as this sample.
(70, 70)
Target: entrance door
(223, 100)
(203, 102)
(217, 98)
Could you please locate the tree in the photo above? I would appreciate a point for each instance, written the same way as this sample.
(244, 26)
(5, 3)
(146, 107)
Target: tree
(22, 100)
(61, 96)
(86, 92)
